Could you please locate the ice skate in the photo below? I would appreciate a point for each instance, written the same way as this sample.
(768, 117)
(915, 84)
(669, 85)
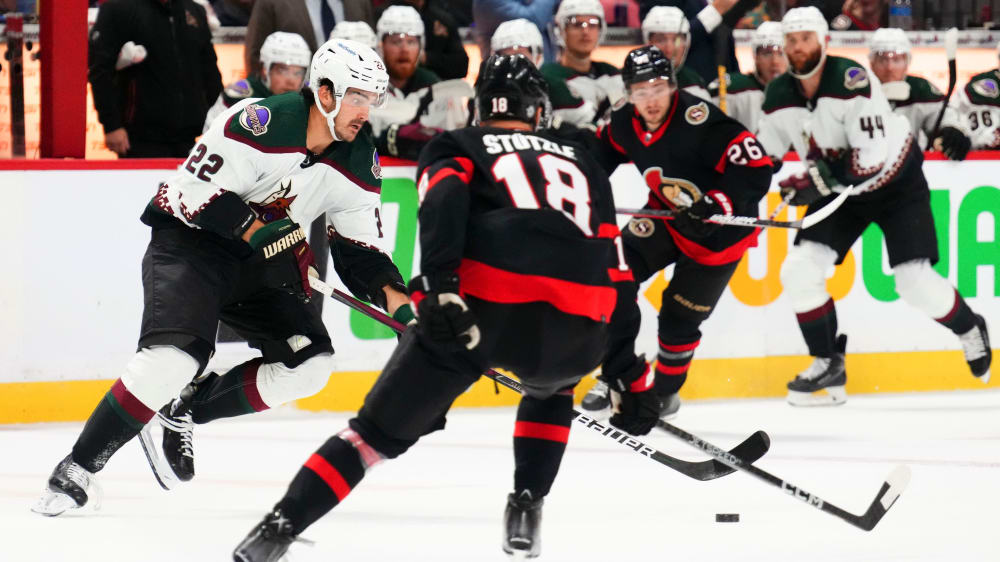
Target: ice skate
(70, 487)
(522, 524)
(596, 399)
(669, 406)
(268, 541)
(822, 384)
(174, 461)
(976, 345)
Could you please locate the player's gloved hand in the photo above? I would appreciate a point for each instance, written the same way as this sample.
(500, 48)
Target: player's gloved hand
(809, 186)
(405, 141)
(691, 220)
(635, 407)
(287, 259)
(953, 143)
(442, 314)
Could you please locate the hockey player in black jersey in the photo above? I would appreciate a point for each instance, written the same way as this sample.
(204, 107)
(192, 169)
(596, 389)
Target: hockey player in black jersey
(695, 160)
(519, 267)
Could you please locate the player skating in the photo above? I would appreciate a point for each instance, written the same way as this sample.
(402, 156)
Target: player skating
(700, 162)
(838, 120)
(519, 262)
(226, 245)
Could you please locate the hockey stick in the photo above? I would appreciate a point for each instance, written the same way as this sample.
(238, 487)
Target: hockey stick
(751, 449)
(721, 36)
(887, 495)
(950, 48)
(751, 222)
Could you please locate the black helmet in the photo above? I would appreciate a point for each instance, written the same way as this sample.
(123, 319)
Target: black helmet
(510, 87)
(647, 63)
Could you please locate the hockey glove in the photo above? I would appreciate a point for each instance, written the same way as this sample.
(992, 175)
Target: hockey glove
(952, 143)
(635, 407)
(809, 186)
(691, 221)
(442, 314)
(405, 141)
(285, 257)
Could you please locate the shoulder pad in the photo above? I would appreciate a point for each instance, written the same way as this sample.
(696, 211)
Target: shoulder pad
(239, 89)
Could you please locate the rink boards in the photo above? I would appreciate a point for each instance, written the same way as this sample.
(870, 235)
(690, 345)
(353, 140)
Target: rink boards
(71, 299)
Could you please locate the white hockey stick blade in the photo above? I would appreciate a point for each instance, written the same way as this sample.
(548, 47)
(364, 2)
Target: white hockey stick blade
(951, 43)
(897, 480)
(818, 216)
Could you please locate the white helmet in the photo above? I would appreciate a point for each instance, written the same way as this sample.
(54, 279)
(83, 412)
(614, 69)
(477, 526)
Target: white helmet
(283, 48)
(808, 18)
(347, 64)
(519, 33)
(570, 8)
(355, 31)
(767, 34)
(889, 40)
(667, 19)
(404, 20)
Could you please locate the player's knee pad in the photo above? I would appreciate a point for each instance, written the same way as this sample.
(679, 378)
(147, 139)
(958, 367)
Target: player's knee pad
(156, 374)
(922, 287)
(277, 383)
(803, 274)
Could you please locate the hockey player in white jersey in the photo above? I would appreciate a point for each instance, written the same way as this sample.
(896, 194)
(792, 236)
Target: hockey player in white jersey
(582, 90)
(835, 116)
(284, 59)
(226, 245)
(355, 31)
(519, 37)
(745, 92)
(914, 97)
(979, 106)
(668, 29)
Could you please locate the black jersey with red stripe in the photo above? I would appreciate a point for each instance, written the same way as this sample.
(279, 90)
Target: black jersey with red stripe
(698, 151)
(527, 221)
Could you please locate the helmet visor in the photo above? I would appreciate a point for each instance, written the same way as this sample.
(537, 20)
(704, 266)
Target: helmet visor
(357, 98)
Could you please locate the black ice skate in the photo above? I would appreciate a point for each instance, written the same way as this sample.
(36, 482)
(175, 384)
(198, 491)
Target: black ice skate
(597, 398)
(522, 521)
(70, 487)
(176, 463)
(268, 541)
(822, 384)
(669, 405)
(976, 345)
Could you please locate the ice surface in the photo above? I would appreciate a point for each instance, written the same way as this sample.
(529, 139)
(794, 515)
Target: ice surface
(444, 499)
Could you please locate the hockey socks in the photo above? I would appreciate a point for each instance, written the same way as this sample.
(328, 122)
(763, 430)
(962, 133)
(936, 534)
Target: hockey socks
(231, 394)
(118, 418)
(540, 435)
(960, 319)
(672, 363)
(326, 478)
(819, 328)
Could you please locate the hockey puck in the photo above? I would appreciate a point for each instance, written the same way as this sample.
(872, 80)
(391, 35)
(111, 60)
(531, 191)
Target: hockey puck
(727, 517)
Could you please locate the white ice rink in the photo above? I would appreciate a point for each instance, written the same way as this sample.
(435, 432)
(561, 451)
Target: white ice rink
(444, 499)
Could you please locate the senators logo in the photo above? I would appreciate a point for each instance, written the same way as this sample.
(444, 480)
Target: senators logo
(275, 206)
(675, 192)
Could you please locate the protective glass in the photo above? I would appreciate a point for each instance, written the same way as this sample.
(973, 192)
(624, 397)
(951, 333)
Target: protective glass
(644, 91)
(583, 22)
(287, 71)
(356, 98)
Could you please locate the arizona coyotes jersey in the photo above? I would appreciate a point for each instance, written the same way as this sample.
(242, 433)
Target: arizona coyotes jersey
(257, 150)
(920, 102)
(744, 98)
(979, 106)
(235, 92)
(583, 98)
(692, 82)
(848, 124)
(696, 151)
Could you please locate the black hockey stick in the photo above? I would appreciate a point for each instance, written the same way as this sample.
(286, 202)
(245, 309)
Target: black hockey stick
(751, 449)
(950, 48)
(887, 495)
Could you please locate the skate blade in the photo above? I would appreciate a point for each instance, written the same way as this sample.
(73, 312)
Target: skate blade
(829, 396)
(985, 377)
(161, 469)
(52, 504)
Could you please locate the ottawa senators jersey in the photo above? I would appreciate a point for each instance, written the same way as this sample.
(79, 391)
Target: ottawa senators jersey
(696, 151)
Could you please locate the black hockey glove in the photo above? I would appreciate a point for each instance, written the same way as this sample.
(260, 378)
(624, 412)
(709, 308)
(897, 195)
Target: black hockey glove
(285, 257)
(442, 315)
(635, 406)
(952, 143)
(809, 186)
(691, 220)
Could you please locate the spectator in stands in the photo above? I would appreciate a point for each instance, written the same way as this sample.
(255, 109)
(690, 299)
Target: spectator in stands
(418, 104)
(666, 28)
(233, 12)
(862, 15)
(582, 91)
(443, 52)
(355, 31)
(488, 14)
(312, 19)
(518, 37)
(745, 92)
(284, 58)
(157, 107)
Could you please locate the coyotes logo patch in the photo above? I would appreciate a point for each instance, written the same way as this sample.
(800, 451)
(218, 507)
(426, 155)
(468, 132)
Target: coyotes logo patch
(855, 77)
(276, 205)
(675, 192)
(255, 119)
(987, 87)
(376, 167)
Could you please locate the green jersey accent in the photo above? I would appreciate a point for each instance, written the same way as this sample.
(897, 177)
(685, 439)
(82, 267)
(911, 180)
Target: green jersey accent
(558, 75)
(277, 122)
(922, 91)
(842, 79)
(687, 78)
(984, 88)
(736, 83)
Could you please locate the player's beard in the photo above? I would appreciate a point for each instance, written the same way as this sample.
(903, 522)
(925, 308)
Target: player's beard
(402, 69)
(808, 64)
